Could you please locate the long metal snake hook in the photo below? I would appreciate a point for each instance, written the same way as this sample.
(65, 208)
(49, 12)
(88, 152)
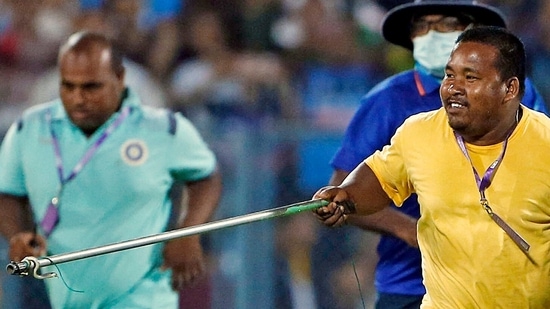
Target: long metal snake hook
(32, 264)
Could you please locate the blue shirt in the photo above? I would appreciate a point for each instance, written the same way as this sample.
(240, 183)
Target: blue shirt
(382, 111)
(122, 193)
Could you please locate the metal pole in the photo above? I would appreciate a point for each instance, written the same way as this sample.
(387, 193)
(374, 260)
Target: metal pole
(32, 264)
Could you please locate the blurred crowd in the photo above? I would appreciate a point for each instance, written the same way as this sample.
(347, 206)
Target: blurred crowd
(232, 58)
(298, 67)
(242, 58)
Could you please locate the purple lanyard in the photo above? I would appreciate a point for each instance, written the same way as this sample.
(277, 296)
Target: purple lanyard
(51, 218)
(484, 182)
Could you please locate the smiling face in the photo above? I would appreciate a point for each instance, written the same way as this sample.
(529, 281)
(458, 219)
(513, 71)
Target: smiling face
(90, 89)
(474, 94)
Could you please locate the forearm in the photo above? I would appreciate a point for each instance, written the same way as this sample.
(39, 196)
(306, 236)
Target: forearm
(185, 255)
(16, 215)
(203, 199)
(386, 221)
(365, 190)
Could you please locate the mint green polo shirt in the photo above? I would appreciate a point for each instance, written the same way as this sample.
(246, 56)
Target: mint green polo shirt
(122, 193)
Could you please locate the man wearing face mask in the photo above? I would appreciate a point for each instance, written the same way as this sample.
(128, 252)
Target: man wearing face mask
(429, 28)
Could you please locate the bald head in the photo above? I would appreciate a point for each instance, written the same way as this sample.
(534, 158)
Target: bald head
(90, 42)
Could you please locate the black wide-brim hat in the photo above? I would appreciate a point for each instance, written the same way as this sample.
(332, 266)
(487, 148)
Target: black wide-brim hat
(396, 23)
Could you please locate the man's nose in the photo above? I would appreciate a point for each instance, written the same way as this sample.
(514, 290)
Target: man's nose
(77, 95)
(454, 88)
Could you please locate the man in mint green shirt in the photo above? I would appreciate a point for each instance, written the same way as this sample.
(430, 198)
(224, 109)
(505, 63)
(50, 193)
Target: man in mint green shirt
(96, 168)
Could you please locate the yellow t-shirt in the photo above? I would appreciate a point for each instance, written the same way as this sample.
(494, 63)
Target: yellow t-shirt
(468, 260)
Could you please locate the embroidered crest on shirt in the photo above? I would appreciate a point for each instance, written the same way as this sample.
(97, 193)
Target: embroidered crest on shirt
(134, 152)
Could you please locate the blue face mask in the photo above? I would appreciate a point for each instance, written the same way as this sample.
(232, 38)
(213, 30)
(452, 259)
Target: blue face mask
(432, 50)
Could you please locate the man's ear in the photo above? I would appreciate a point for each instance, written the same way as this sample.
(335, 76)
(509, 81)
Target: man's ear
(512, 88)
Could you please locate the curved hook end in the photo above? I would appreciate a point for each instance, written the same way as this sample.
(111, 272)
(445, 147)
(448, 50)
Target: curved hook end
(34, 266)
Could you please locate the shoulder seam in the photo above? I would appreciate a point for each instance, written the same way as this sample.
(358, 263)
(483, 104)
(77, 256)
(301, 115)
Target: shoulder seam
(19, 124)
(172, 123)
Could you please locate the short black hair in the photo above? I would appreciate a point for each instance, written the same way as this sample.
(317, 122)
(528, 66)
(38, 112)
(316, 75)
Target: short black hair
(85, 40)
(511, 57)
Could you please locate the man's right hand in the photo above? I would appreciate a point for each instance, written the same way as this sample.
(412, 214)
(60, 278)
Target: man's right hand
(26, 244)
(336, 212)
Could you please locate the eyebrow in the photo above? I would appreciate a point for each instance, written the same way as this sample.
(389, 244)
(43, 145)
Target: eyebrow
(91, 84)
(470, 70)
(467, 69)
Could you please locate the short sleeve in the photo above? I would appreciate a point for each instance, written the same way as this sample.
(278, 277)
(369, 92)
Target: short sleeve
(389, 167)
(194, 158)
(11, 171)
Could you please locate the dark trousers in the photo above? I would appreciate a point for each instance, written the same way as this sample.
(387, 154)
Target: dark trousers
(398, 301)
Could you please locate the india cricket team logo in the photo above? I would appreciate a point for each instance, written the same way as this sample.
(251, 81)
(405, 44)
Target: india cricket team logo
(134, 152)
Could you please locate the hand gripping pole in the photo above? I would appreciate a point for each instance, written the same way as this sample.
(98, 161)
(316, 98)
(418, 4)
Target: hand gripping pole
(32, 264)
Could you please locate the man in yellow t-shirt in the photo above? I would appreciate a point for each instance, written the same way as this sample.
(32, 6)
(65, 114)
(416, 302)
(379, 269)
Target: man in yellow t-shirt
(480, 168)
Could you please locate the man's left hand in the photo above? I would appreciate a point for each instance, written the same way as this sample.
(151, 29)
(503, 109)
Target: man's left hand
(186, 259)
